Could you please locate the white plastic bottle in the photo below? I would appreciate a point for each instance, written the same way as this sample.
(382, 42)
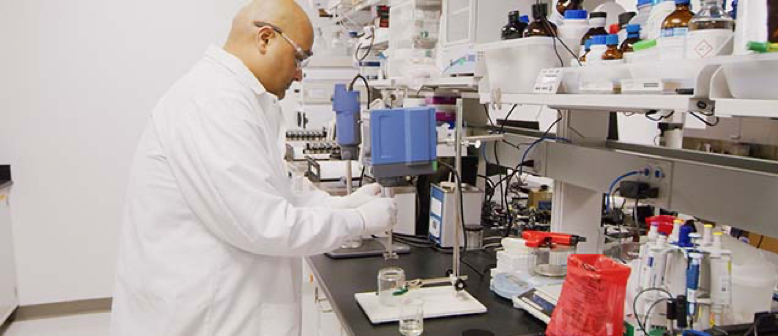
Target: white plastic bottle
(644, 12)
(574, 27)
(659, 13)
(598, 49)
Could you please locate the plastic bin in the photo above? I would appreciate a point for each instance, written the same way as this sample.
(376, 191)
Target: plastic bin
(513, 65)
(753, 78)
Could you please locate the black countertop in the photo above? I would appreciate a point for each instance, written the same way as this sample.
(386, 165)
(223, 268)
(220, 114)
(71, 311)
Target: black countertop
(340, 279)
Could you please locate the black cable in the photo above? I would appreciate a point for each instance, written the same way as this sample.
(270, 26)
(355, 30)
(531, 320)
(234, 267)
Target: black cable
(462, 217)
(710, 124)
(652, 112)
(369, 48)
(520, 166)
(367, 86)
(635, 302)
(648, 314)
(759, 245)
(556, 38)
(362, 176)
(486, 109)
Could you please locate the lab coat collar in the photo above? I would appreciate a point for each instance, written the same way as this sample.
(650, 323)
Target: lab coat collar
(236, 66)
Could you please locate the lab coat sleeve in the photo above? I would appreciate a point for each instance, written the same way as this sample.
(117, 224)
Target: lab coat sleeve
(311, 196)
(220, 161)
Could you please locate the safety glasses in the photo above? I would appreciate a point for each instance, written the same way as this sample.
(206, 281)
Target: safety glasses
(301, 56)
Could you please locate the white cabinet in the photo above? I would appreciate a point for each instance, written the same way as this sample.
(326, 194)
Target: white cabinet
(8, 297)
(319, 318)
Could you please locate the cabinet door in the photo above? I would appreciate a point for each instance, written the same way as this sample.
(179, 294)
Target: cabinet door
(8, 297)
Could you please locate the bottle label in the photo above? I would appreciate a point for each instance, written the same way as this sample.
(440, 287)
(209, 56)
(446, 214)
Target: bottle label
(674, 32)
(707, 43)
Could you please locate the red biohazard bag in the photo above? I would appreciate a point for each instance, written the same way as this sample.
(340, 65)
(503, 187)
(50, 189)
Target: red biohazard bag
(592, 299)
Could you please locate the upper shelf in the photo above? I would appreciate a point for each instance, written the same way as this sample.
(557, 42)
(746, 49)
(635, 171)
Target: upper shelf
(457, 83)
(605, 102)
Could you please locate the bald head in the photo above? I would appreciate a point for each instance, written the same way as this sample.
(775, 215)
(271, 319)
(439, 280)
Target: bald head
(269, 56)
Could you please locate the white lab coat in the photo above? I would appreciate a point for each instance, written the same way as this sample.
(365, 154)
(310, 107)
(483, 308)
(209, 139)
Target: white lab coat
(213, 231)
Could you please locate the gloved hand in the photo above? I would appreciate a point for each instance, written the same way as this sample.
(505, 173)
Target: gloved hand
(378, 216)
(358, 198)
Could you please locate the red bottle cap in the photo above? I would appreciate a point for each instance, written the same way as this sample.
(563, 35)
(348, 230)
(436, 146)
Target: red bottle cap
(614, 28)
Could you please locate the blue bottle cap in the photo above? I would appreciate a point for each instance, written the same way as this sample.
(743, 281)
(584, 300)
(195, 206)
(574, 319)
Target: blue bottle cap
(524, 18)
(642, 3)
(633, 28)
(576, 14)
(588, 44)
(612, 39)
(682, 2)
(599, 40)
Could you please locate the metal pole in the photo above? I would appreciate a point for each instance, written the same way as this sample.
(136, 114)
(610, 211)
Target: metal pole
(349, 178)
(457, 205)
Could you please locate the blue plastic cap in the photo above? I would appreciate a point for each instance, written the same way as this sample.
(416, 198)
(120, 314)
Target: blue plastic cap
(588, 44)
(576, 14)
(524, 18)
(683, 237)
(642, 3)
(633, 28)
(682, 2)
(599, 40)
(612, 39)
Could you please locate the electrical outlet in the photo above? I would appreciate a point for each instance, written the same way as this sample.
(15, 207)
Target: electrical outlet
(659, 176)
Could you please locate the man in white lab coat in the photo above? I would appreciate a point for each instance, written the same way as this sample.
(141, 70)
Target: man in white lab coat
(214, 230)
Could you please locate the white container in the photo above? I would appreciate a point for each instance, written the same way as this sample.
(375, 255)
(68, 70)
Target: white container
(753, 78)
(708, 43)
(515, 262)
(513, 65)
(643, 56)
(613, 10)
(644, 12)
(671, 48)
(571, 33)
(659, 13)
(752, 290)
(595, 54)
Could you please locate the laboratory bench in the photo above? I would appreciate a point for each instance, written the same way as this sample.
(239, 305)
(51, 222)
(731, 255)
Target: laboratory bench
(340, 279)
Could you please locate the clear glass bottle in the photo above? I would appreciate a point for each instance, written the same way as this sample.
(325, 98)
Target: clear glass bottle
(633, 36)
(612, 53)
(597, 24)
(540, 26)
(711, 16)
(515, 27)
(677, 23)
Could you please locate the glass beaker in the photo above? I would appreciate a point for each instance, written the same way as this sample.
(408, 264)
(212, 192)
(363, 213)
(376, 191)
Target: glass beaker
(391, 284)
(412, 317)
(352, 243)
(552, 262)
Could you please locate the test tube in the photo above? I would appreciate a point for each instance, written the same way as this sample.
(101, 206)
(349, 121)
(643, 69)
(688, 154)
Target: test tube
(389, 254)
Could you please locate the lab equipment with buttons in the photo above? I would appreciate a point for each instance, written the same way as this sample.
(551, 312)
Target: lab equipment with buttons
(575, 167)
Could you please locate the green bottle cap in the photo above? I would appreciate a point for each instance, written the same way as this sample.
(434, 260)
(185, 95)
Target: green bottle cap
(760, 47)
(643, 45)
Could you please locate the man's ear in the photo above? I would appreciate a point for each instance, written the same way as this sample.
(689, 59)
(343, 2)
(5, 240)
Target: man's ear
(263, 39)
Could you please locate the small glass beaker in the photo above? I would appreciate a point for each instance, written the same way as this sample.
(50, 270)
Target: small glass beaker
(412, 317)
(352, 243)
(552, 261)
(391, 284)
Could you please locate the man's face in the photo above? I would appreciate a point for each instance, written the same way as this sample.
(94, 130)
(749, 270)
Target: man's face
(287, 61)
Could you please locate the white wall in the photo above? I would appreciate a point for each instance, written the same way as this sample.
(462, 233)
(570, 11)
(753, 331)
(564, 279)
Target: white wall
(77, 82)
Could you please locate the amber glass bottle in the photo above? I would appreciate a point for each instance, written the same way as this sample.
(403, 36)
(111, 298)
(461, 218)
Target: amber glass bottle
(613, 52)
(540, 26)
(677, 23)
